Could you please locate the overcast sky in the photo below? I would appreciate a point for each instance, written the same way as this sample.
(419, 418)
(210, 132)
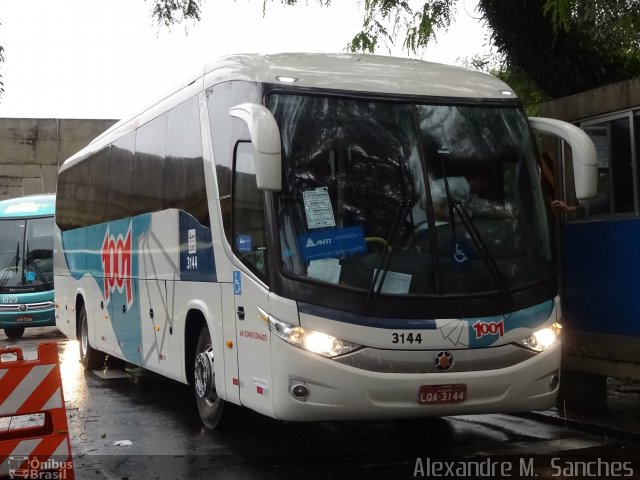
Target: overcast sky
(105, 58)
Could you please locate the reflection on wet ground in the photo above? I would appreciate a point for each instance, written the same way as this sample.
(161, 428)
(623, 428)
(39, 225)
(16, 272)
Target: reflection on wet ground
(136, 424)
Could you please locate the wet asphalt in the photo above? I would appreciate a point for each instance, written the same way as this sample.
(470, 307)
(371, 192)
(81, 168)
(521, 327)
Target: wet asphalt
(133, 424)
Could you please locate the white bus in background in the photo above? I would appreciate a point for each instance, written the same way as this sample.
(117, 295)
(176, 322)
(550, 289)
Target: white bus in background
(293, 233)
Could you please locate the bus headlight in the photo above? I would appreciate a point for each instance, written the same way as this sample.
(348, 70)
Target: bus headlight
(544, 338)
(316, 342)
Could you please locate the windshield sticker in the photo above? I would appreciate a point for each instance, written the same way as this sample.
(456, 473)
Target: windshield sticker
(243, 243)
(394, 282)
(461, 252)
(336, 242)
(317, 205)
(325, 269)
(193, 244)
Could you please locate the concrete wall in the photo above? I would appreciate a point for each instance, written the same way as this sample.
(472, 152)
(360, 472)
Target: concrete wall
(31, 150)
(599, 101)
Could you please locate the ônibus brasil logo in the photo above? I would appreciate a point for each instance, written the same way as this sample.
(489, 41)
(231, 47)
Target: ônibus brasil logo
(116, 265)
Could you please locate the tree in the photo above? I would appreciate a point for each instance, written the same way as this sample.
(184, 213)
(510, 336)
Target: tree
(561, 46)
(528, 92)
(567, 46)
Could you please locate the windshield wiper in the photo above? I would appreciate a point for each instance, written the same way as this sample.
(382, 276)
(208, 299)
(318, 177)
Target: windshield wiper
(385, 261)
(487, 257)
(15, 260)
(31, 262)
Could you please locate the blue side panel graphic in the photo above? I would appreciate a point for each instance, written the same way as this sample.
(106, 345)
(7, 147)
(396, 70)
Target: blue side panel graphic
(335, 242)
(109, 253)
(126, 322)
(196, 251)
(601, 266)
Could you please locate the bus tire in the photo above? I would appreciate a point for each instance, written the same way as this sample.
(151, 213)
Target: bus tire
(210, 406)
(14, 333)
(90, 358)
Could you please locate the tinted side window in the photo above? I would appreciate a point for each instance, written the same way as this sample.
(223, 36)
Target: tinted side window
(148, 167)
(250, 240)
(183, 182)
(157, 167)
(612, 139)
(118, 178)
(225, 131)
(80, 198)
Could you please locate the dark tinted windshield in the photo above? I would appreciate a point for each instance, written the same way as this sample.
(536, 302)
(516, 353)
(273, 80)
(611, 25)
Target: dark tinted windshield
(353, 167)
(26, 252)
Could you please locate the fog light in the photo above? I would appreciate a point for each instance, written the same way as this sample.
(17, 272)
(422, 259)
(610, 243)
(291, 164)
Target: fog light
(300, 391)
(553, 382)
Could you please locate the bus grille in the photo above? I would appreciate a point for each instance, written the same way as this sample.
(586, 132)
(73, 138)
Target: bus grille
(26, 307)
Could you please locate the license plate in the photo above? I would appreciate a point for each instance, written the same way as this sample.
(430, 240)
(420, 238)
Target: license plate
(439, 394)
(24, 318)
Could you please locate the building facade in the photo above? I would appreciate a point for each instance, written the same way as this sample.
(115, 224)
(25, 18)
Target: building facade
(32, 149)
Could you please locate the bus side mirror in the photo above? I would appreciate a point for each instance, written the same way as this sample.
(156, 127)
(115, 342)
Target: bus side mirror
(265, 138)
(585, 157)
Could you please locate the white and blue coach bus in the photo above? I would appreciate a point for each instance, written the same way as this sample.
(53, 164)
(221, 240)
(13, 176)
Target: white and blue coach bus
(26, 263)
(300, 234)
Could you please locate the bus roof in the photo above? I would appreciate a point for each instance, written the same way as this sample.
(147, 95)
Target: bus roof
(359, 73)
(28, 206)
(343, 72)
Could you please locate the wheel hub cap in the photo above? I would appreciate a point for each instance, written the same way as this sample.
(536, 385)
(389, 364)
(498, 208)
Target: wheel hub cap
(204, 377)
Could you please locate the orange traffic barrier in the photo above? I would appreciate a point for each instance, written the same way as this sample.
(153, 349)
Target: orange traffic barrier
(34, 436)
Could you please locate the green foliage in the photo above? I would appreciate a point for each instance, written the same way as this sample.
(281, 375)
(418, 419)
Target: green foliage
(560, 46)
(387, 20)
(528, 92)
(559, 12)
(592, 48)
(172, 12)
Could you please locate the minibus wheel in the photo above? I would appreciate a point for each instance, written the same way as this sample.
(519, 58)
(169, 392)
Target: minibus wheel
(91, 358)
(210, 406)
(14, 332)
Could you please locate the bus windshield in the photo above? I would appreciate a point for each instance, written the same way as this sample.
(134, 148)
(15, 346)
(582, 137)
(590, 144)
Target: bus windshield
(26, 253)
(408, 198)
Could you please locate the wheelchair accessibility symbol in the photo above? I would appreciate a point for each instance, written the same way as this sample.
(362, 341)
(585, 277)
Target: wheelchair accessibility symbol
(237, 283)
(460, 252)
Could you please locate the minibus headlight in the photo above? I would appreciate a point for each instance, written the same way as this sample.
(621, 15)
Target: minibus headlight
(542, 339)
(316, 342)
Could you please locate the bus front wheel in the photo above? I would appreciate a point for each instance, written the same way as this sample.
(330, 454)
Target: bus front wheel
(91, 358)
(210, 406)
(14, 333)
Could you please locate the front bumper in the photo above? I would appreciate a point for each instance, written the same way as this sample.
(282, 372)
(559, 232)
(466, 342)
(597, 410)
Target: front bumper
(342, 392)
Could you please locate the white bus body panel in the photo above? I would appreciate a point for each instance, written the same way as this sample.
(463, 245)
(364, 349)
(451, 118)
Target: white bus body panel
(340, 392)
